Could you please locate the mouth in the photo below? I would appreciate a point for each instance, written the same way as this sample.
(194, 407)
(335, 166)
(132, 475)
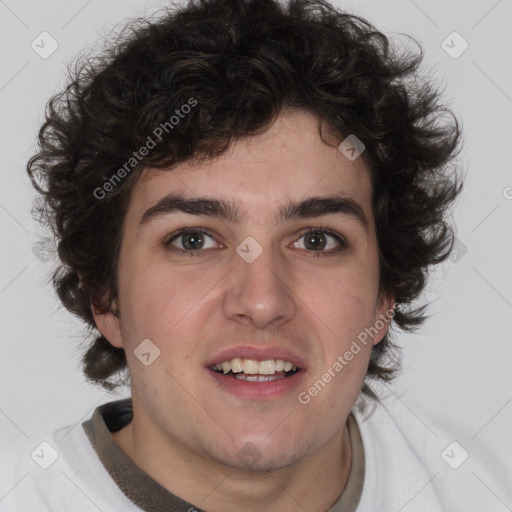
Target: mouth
(253, 370)
(252, 373)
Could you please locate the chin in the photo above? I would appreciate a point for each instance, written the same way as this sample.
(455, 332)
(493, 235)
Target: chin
(263, 457)
(263, 464)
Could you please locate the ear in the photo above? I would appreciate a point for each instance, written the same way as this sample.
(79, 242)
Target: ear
(384, 313)
(108, 324)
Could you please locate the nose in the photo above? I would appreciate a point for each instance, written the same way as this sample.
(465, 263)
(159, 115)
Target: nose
(260, 292)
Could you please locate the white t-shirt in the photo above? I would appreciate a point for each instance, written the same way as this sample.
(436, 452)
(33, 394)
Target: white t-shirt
(410, 465)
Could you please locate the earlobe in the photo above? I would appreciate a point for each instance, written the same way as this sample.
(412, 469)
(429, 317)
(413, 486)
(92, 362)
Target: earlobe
(383, 315)
(108, 324)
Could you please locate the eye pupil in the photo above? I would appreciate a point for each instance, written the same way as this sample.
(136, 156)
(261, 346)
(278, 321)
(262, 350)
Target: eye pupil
(315, 241)
(192, 240)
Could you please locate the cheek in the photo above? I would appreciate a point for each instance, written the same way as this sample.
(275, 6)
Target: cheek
(150, 303)
(165, 307)
(346, 303)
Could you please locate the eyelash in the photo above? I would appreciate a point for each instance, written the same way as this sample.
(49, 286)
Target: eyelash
(315, 254)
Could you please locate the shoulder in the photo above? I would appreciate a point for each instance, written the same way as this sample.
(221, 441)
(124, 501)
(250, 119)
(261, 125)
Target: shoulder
(418, 461)
(60, 472)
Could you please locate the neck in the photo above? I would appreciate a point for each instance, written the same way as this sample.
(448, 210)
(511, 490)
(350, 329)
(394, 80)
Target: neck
(313, 484)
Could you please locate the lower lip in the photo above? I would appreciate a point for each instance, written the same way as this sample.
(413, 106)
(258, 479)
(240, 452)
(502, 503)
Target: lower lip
(258, 390)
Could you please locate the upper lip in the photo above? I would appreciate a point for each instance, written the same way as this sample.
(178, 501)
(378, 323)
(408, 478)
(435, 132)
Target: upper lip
(258, 353)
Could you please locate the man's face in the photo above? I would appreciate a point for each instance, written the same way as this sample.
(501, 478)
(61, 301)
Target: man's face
(259, 289)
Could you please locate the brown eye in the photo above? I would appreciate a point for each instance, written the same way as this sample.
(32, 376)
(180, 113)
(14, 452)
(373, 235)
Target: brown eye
(315, 241)
(322, 241)
(190, 240)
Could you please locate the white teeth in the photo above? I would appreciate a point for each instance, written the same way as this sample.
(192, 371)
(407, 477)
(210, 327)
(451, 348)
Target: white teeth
(250, 366)
(238, 365)
(267, 367)
(256, 378)
(279, 366)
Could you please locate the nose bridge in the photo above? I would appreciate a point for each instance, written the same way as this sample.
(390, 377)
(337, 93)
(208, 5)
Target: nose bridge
(259, 288)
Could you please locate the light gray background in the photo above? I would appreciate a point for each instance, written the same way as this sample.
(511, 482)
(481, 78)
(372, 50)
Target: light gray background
(457, 368)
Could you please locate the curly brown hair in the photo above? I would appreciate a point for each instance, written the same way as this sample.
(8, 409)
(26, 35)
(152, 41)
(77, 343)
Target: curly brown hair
(243, 62)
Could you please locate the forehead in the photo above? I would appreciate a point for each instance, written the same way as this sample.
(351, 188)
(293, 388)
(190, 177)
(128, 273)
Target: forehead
(287, 162)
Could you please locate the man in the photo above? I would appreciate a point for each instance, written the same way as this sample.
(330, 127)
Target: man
(246, 194)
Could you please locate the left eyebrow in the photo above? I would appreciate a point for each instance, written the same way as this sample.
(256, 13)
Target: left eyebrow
(310, 207)
(324, 205)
